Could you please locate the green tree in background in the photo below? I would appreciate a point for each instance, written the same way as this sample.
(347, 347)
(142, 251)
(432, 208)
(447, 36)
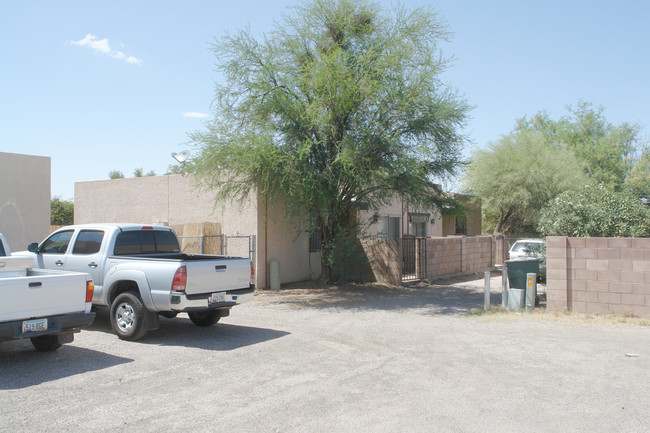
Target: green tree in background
(541, 158)
(341, 104)
(638, 182)
(61, 212)
(516, 176)
(607, 150)
(139, 172)
(115, 174)
(595, 211)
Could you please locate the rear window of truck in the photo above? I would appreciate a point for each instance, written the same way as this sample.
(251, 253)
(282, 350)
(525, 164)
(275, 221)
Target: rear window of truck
(145, 242)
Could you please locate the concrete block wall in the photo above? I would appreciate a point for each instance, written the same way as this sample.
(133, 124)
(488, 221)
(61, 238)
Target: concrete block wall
(443, 256)
(451, 255)
(598, 275)
(477, 253)
(385, 259)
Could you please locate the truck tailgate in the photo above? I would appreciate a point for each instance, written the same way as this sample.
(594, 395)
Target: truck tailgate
(42, 293)
(217, 275)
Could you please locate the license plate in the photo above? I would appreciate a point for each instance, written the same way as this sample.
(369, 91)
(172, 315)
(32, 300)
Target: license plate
(217, 297)
(34, 325)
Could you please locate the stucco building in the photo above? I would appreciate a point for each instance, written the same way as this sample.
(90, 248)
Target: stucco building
(24, 198)
(175, 200)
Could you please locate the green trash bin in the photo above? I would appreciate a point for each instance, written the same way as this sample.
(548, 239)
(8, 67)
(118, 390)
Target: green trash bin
(518, 270)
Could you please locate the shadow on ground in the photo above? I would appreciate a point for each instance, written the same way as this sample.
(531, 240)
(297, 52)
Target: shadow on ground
(453, 296)
(22, 366)
(180, 331)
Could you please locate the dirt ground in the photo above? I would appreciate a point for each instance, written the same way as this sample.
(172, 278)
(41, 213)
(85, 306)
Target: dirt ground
(347, 358)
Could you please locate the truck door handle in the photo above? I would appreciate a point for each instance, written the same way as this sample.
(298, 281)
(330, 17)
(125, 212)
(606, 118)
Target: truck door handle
(58, 263)
(35, 284)
(92, 265)
(220, 268)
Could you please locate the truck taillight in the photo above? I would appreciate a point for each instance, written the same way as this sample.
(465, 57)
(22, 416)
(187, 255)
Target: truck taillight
(90, 288)
(252, 274)
(180, 279)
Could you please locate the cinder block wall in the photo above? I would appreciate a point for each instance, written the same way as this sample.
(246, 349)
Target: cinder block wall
(477, 253)
(598, 275)
(443, 256)
(451, 255)
(385, 259)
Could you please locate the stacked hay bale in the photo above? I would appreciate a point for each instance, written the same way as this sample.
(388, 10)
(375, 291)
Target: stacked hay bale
(192, 244)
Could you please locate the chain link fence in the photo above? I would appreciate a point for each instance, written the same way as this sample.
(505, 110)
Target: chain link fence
(226, 245)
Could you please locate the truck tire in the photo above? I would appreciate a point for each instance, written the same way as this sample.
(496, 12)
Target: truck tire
(46, 343)
(127, 317)
(205, 318)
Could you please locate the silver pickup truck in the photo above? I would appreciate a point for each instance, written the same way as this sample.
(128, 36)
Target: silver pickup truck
(46, 306)
(140, 273)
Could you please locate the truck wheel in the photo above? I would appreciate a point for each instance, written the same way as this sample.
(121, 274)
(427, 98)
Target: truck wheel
(46, 343)
(127, 317)
(205, 318)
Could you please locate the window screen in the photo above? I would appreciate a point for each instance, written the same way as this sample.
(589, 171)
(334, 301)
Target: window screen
(388, 227)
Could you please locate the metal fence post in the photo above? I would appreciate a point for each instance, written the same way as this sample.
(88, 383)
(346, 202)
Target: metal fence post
(486, 296)
(504, 287)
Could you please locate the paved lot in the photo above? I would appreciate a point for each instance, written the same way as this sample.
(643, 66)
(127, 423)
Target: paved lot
(340, 360)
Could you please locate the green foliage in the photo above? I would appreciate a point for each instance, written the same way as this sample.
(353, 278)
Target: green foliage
(115, 174)
(595, 211)
(543, 157)
(638, 181)
(607, 150)
(61, 212)
(183, 168)
(516, 176)
(341, 104)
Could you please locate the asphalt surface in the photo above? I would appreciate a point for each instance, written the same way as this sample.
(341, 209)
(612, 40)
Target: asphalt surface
(353, 359)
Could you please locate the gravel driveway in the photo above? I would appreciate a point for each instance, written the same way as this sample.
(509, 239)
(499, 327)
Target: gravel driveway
(352, 359)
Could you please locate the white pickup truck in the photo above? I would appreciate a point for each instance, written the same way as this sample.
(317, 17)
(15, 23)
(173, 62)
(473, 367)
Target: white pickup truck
(46, 306)
(140, 273)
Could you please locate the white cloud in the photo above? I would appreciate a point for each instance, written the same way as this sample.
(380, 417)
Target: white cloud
(194, 114)
(102, 46)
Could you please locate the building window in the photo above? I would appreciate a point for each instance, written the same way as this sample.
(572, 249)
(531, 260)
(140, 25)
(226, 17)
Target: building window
(418, 223)
(388, 227)
(314, 241)
(461, 225)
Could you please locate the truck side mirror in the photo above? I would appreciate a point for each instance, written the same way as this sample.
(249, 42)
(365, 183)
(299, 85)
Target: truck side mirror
(33, 247)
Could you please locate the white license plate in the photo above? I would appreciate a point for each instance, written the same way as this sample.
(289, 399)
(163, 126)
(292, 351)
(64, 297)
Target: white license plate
(217, 297)
(34, 325)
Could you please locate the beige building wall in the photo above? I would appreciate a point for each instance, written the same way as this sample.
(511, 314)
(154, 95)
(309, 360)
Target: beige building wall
(400, 208)
(176, 200)
(284, 241)
(172, 199)
(24, 198)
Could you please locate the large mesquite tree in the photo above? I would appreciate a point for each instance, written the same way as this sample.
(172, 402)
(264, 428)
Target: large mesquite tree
(341, 104)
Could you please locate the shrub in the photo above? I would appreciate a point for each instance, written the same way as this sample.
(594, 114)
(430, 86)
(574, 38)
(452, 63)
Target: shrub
(595, 211)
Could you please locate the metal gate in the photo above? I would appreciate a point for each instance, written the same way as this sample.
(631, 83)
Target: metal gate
(414, 259)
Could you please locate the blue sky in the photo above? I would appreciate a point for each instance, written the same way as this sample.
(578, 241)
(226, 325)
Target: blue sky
(101, 86)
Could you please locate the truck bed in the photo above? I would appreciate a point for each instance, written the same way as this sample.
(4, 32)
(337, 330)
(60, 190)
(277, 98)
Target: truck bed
(41, 293)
